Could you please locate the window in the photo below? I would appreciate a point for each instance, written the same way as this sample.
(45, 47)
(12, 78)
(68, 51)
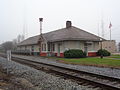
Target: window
(32, 48)
(43, 47)
(20, 48)
(49, 47)
(25, 47)
(53, 47)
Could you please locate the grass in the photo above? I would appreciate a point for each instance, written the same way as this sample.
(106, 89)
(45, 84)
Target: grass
(115, 56)
(94, 61)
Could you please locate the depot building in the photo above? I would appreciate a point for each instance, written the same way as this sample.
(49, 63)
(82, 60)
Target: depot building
(56, 42)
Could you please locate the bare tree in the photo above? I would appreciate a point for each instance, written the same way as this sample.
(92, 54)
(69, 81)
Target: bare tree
(20, 38)
(15, 44)
(11, 45)
(7, 45)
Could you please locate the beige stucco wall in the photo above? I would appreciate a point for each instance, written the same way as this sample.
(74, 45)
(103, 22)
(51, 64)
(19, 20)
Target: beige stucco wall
(22, 47)
(75, 45)
(56, 47)
(65, 45)
(96, 46)
(18, 48)
(29, 47)
(36, 48)
(109, 45)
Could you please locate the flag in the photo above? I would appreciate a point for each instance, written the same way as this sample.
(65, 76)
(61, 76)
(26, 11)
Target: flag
(110, 25)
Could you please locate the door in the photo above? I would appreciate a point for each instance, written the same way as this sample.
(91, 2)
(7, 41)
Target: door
(86, 48)
(58, 54)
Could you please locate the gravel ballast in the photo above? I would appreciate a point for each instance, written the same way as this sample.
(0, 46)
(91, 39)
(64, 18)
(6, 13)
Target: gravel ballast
(39, 79)
(98, 70)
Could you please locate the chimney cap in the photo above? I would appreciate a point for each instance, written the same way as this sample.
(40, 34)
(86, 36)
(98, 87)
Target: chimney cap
(40, 19)
(68, 24)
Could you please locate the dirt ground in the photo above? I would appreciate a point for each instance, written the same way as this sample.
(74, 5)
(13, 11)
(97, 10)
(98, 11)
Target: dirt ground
(10, 82)
(4, 81)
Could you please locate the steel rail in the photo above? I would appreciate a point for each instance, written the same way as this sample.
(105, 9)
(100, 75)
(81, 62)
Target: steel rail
(64, 71)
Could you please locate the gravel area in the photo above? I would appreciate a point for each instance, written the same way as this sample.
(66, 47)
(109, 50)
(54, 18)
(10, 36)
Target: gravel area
(39, 79)
(99, 70)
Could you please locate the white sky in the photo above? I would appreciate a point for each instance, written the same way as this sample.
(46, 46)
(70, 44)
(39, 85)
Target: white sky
(84, 14)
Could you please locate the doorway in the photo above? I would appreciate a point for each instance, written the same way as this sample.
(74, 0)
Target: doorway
(86, 48)
(58, 54)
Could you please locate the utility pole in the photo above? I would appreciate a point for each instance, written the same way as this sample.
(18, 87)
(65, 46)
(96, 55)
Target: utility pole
(110, 34)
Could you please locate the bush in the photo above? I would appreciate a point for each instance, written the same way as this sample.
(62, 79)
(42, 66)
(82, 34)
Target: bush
(74, 53)
(103, 52)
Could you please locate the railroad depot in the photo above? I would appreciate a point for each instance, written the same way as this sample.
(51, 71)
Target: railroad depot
(56, 42)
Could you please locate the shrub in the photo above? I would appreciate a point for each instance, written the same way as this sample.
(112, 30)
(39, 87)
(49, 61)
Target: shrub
(74, 53)
(103, 52)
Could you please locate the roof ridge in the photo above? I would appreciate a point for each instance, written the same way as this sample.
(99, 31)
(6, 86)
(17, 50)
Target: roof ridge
(86, 31)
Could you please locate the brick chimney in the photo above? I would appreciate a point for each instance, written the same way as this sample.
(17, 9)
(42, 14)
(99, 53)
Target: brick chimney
(68, 24)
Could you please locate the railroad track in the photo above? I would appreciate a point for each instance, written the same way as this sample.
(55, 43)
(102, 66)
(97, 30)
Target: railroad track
(85, 78)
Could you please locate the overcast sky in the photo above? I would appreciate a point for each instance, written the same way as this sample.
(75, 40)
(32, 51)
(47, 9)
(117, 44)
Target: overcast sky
(17, 16)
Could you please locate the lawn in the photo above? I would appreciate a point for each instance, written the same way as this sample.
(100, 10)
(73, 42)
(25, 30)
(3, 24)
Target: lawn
(115, 56)
(94, 61)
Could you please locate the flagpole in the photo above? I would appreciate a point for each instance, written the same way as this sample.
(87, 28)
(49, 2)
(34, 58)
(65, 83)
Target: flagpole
(110, 34)
(110, 30)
